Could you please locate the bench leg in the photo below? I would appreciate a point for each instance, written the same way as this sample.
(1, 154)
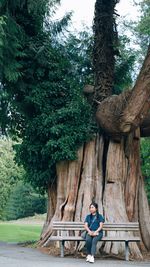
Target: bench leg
(77, 246)
(62, 248)
(126, 250)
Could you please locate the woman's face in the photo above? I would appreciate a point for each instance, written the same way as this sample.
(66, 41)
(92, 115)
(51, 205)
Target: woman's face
(92, 209)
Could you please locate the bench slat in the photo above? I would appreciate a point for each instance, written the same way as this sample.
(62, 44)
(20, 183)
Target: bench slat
(82, 223)
(77, 226)
(106, 226)
(78, 238)
(105, 229)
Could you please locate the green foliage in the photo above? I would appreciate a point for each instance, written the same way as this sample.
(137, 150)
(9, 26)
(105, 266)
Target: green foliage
(47, 108)
(23, 202)
(79, 49)
(4, 112)
(124, 66)
(10, 68)
(56, 114)
(142, 28)
(11, 192)
(145, 155)
(140, 31)
(20, 22)
(10, 173)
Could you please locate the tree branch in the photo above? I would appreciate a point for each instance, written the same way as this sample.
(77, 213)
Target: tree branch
(139, 102)
(118, 115)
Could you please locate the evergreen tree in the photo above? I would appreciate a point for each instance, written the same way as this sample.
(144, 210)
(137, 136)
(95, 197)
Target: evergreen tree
(47, 110)
(10, 173)
(24, 202)
(142, 27)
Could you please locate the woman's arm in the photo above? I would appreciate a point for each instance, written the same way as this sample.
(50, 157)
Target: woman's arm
(99, 228)
(87, 228)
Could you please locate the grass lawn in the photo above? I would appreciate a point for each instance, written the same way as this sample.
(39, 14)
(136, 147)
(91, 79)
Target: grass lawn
(10, 232)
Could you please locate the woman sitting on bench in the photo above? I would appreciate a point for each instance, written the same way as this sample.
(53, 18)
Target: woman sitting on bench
(93, 225)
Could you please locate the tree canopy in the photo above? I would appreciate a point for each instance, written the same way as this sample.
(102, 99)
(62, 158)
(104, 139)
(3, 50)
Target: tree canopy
(46, 106)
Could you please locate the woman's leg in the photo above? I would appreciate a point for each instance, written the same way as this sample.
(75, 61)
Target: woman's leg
(94, 243)
(88, 243)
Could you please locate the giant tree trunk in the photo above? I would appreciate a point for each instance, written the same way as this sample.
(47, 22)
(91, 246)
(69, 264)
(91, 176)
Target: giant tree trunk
(109, 173)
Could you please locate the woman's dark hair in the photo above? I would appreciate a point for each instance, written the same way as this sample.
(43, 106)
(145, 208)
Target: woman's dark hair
(96, 207)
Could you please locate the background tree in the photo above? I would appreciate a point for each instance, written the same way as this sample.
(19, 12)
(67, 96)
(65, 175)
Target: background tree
(17, 199)
(145, 156)
(142, 28)
(24, 202)
(10, 173)
(124, 66)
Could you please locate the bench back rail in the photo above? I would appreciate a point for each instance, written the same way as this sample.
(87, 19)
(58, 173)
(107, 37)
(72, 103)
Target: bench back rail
(79, 226)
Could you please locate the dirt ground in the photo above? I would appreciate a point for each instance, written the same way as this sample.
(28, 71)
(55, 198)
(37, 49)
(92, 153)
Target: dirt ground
(56, 252)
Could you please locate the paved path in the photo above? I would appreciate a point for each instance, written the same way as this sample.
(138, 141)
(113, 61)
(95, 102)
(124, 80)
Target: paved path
(12, 255)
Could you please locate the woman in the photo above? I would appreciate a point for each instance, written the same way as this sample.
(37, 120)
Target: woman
(93, 225)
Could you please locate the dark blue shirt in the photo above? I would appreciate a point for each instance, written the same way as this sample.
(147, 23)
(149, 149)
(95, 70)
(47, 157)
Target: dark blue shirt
(94, 221)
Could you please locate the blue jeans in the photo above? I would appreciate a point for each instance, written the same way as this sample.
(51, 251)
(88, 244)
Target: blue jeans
(91, 242)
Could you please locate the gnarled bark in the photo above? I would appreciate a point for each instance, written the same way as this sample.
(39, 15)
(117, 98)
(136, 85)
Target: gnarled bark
(105, 47)
(117, 177)
(51, 206)
(118, 115)
(139, 102)
(144, 214)
(133, 175)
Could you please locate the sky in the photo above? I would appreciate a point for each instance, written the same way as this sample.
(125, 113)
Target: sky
(84, 11)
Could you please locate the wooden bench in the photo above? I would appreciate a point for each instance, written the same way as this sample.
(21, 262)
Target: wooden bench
(59, 227)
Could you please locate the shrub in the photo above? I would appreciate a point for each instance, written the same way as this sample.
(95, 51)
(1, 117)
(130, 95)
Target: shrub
(24, 202)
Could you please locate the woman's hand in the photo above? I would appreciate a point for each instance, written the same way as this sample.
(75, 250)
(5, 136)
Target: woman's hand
(95, 233)
(90, 233)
